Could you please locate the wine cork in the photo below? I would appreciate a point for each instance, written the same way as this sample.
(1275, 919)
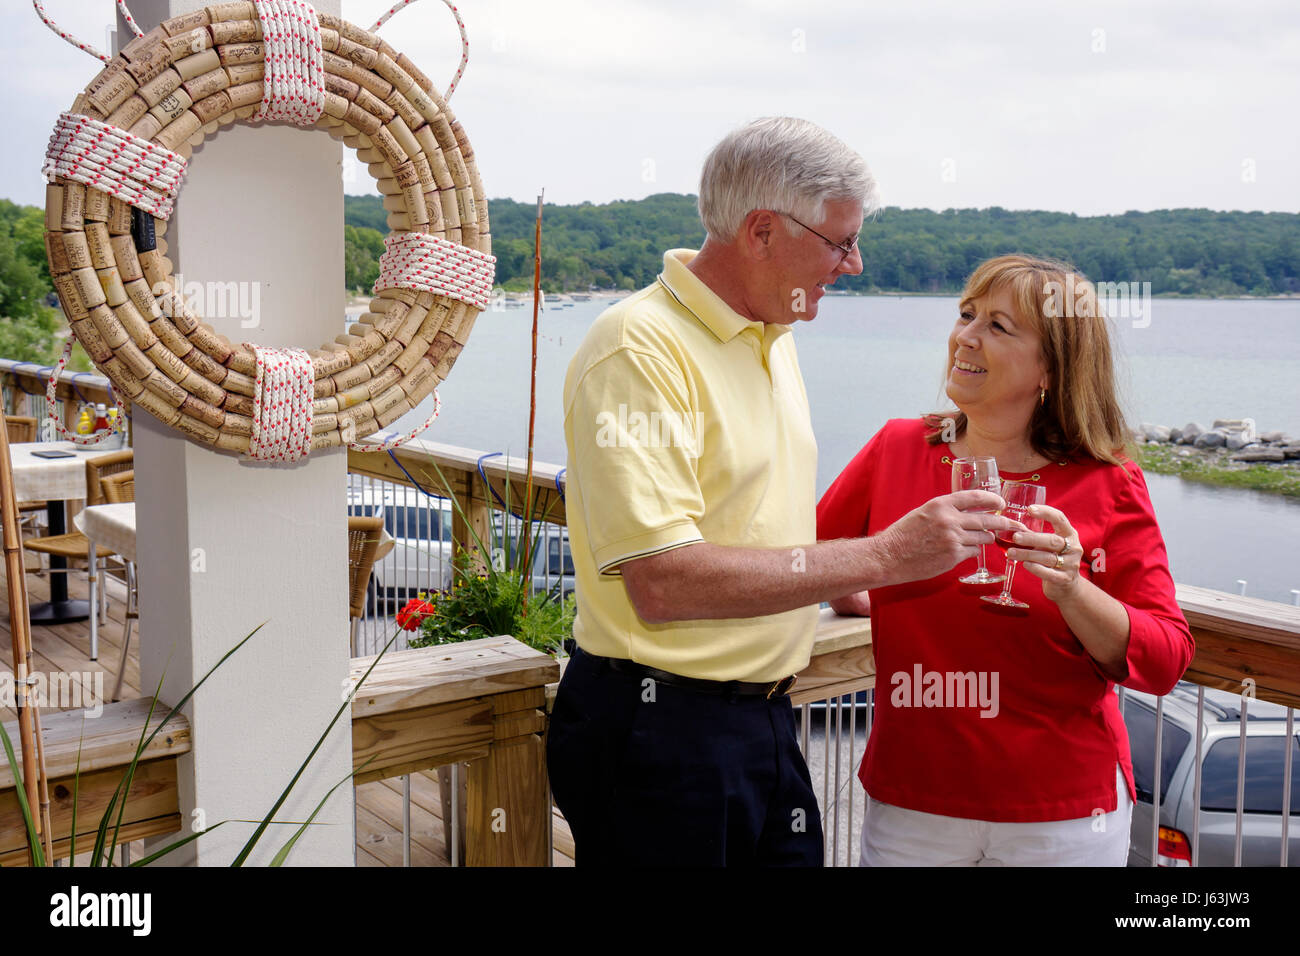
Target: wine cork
(156, 268)
(450, 208)
(174, 135)
(212, 107)
(165, 388)
(456, 165)
(119, 217)
(329, 39)
(395, 203)
(75, 252)
(65, 287)
(124, 380)
(171, 366)
(391, 72)
(396, 410)
(238, 405)
(54, 207)
(350, 378)
(325, 440)
(246, 94)
(156, 407)
(185, 22)
(110, 280)
(206, 84)
(74, 205)
(402, 106)
(57, 255)
(241, 73)
(142, 298)
(171, 338)
(384, 381)
(92, 293)
(96, 205)
(433, 154)
(110, 88)
(354, 396)
(323, 388)
(201, 388)
(233, 443)
(448, 359)
(375, 106)
(97, 238)
(360, 120)
(182, 45)
(203, 337)
(140, 331)
(126, 115)
(91, 341)
(197, 408)
(324, 423)
(402, 133)
(239, 383)
(327, 364)
(421, 81)
(199, 431)
(418, 383)
(323, 406)
(437, 320)
(356, 53)
(146, 57)
(336, 106)
(236, 31)
(146, 127)
(424, 104)
(243, 360)
(110, 328)
(410, 356)
(231, 53)
(411, 324)
(171, 106)
(239, 424)
(239, 10)
(383, 323)
(123, 253)
(438, 349)
(204, 364)
(387, 144)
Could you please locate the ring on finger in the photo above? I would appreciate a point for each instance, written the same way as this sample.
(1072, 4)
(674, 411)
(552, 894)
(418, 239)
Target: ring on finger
(1060, 563)
(1065, 546)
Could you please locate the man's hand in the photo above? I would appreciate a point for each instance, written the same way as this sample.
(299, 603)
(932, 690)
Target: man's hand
(942, 533)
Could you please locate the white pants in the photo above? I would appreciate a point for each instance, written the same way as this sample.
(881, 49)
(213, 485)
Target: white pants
(893, 836)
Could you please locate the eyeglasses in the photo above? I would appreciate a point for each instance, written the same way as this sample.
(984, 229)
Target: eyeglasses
(845, 248)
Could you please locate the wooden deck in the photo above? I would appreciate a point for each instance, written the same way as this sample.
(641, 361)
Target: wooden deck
(66, 649)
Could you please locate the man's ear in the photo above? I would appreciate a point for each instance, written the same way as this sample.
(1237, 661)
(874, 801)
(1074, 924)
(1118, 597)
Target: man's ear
(756, 231)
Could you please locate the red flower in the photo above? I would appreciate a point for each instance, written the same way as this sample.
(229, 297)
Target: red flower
(411, 616)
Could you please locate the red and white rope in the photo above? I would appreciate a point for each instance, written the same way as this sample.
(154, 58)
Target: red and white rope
(425, 263)
(397, 442)
(293, 88)
(51, 390)
(464, 39)
(282, 404)
(114, 161)
(86, 47)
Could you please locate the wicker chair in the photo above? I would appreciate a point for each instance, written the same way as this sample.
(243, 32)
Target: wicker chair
(74, 544)
(120, 489)
(364, 535)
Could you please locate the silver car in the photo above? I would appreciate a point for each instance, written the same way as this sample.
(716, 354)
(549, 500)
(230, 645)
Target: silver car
(420, 559)
(1266, 746)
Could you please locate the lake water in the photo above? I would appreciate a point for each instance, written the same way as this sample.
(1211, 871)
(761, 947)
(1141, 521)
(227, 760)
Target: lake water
(869, 359)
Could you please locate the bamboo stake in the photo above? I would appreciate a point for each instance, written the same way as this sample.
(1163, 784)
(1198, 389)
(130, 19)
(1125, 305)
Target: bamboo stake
(532, 398)
(33, 754)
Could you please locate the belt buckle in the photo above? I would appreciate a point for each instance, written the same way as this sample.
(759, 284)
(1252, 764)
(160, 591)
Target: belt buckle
(782, 687)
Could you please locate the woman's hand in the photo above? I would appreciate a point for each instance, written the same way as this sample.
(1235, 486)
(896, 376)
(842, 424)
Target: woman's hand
(1052, 556)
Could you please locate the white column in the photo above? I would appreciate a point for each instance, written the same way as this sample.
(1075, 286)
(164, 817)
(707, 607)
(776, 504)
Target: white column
(225, 544)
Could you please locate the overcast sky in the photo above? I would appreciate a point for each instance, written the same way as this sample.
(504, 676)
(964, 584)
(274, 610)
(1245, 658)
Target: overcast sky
(1089, 107)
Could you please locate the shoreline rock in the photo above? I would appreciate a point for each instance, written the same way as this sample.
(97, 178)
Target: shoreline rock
(1227, 442)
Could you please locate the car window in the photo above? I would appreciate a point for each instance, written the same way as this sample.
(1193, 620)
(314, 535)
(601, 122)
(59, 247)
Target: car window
(1264, 756)
(559, 560)
(1141, 722)
(411, 521)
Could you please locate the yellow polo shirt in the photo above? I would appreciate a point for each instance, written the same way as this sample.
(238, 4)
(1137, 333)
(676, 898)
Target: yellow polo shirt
(686, 422)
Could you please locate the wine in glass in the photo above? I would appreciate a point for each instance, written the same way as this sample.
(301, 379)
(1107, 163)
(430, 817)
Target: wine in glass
(1020, 496)
(977, 474)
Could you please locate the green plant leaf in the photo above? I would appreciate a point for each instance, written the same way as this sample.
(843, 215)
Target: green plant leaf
(33, 841)
(279, 858)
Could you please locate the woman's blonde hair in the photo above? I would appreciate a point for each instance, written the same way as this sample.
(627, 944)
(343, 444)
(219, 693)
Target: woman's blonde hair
(1081, 416)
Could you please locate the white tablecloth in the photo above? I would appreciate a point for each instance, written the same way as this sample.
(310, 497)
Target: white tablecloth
(50, 479)
(110, 526)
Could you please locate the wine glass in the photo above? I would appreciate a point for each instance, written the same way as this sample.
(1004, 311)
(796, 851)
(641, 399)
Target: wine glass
(1019, 496)
(977, 474)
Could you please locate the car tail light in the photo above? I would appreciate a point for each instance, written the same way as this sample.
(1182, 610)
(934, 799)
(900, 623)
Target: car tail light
(1175, 849)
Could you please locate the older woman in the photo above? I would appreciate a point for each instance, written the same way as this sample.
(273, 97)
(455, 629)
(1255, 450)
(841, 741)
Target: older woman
(997, 734)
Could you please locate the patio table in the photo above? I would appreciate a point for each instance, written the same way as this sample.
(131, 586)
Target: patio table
(113, 526)
(56, 481)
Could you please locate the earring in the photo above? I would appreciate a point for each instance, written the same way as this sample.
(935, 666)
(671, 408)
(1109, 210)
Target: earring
(1042, 396)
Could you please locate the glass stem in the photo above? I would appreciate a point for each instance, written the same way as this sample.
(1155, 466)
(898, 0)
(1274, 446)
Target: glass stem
(1011, 573)
(981, 569)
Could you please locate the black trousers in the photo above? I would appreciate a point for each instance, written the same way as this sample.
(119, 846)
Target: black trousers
(648, 774)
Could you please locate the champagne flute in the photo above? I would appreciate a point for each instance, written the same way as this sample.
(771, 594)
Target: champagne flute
(1019, 496)
(977, 474)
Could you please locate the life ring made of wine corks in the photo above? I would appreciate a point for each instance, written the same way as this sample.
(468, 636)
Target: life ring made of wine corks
(116, 162)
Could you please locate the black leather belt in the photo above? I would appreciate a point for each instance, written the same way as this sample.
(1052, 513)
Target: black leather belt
(718, 688)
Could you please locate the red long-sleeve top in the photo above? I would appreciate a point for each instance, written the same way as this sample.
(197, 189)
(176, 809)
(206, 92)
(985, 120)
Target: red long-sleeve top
(993, 714)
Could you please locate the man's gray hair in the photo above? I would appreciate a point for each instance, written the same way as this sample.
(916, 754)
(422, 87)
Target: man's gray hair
(784, 164)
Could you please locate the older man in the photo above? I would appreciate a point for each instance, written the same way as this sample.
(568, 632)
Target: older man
(691, 506)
